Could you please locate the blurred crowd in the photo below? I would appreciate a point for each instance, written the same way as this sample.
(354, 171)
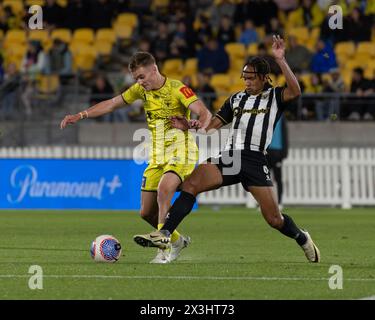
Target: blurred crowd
(199, 41)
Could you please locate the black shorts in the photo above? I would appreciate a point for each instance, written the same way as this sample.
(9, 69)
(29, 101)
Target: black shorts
(245, 166)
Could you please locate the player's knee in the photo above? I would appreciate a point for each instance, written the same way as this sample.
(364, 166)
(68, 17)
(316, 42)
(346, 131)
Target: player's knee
(164, 194)
(191, 186)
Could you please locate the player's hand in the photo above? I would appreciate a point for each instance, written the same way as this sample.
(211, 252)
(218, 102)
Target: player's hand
(194, 124)
(179, 122)
(69, 119)
(278, 47)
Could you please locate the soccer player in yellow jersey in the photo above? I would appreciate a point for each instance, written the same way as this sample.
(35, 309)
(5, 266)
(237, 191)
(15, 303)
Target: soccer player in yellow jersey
(173, 152)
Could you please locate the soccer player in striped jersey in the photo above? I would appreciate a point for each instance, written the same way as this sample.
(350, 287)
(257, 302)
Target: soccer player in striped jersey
(173, 153)
(253, 114)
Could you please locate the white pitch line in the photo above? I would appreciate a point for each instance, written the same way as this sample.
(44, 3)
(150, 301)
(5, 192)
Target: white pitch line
(367, 298)
(78, 276)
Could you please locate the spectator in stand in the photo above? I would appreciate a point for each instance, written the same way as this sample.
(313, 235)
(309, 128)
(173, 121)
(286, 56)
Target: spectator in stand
(204, 31)
(60, 61)
(361, 107)
(262, 52)
(297, 55)
(160, 45)
(213, 57)
(360, 26)
(184, 41)
(221, 9)
(309, 15)
(226, 32)
(101, 14)
(330, 108)
(9, 20)
(8, 91)
(273, 26)
(205, 91)
(324, 59)
(53, 15)
(248, 35)
(310, 104)
(76, 14)
(33, 64)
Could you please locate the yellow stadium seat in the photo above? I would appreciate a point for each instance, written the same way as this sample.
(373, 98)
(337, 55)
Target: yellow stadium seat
(252, 49)
(354, 63)
(315, 33)
(84, 58)
(221, 82)
(366, 47)
(35, 2)
(306, 79)
(236, 66)
(62, 34)
(130, 19)
(16, 5)
(345, 47)
(14, 36)
(190, 66)
(62, 3)
(39, 35)
(15, 54)
(85, 35)
(47, 84)
(103, 48)
(123, 31)
(261, 31)
(280, 81)
(105, 34)
(235, 50)
(1, 34)
(172, 66)
(301, 33)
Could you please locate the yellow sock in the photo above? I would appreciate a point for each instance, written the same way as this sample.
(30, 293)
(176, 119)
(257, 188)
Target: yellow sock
(174, 236)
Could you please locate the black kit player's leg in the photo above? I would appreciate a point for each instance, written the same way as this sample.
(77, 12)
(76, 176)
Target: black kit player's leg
(266, 198)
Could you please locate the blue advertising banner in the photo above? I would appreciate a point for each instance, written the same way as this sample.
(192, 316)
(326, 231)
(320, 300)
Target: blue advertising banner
(70, 184)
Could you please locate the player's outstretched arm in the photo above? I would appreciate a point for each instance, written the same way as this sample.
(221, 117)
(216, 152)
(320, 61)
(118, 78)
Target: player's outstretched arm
(204, 115)
(97, 110)
(293, 89)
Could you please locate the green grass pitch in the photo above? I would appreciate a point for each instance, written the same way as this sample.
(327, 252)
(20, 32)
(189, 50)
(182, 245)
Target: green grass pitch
(234, 255)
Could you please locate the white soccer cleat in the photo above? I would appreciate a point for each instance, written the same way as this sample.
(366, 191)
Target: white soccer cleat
(161, 257)
(157, 239)
(177, 246)
(312, 252)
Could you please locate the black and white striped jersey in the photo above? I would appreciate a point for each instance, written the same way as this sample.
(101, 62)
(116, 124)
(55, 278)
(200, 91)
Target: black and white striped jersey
(253, 118)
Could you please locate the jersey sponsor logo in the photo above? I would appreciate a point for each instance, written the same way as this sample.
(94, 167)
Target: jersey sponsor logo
(187, 92)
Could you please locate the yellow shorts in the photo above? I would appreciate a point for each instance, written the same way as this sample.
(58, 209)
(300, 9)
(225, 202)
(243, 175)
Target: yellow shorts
(154, 172)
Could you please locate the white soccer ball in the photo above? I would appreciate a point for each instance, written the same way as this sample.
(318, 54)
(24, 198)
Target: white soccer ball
(105, 248)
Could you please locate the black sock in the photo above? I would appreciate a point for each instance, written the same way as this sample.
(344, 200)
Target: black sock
(292, 231)
(180, 209)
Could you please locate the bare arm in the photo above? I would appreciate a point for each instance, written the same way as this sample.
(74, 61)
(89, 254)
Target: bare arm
(97, 110)
(203, 113)
(293, 89)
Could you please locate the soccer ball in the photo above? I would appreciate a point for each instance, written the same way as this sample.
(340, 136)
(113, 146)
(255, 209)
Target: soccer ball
(105, 248)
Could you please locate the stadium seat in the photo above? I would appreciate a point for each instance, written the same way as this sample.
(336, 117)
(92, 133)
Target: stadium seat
(345, 47)
(16, 5)
(306, 79)
(172, 66)
(1, 34)
(62, 34)
(301, 33)
(252, 49)
(130, 19)
(62, 3)
(15, 54)
(190, 66)
(366, 47)
(47, 84)
(105, 34)
(221, 82)
(280, 81)
(235, 50)
(123, 31)
(14, 36)
(261, 31)
(84, 35)
(236, 66)
(35, 2)
(39, 35)
(103, 47)
(84, 56)
(315, 33)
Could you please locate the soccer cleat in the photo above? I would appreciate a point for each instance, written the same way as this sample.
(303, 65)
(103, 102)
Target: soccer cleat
(177, 246)
(311, 250)
(161, 257)
(154, 239)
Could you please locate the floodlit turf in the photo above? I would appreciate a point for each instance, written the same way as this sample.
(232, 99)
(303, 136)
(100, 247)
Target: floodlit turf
(234, 255)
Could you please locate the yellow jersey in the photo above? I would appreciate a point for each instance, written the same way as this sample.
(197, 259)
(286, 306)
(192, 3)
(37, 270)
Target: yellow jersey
(172, 99)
